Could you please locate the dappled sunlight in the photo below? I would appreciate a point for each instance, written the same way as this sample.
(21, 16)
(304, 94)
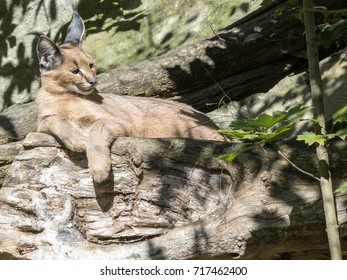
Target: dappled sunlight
(139, 187)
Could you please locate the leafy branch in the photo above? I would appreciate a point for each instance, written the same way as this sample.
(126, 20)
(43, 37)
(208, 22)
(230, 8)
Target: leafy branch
(265, 128)
(261, 130)
(309, 137)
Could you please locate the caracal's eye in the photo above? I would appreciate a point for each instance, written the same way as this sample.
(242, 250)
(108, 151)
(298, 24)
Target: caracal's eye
(75, 71)
(91, 65)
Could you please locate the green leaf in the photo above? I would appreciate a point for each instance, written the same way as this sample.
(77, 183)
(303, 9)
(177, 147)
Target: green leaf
(234, 133)
(266, 136)
(334, 57)
(342, 188)
(325, 27)
(264, 121)
(327, 38)
(240, 125)
(330, 136)
(340, 23)
(297, 111)
(231, 156)
(340, 115)
(342, 133)
(282, 129)
(270, 135)
(311, 138)
(239, 133)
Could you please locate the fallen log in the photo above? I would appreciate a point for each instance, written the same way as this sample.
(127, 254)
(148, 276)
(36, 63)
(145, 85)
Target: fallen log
(167, 199)
(276, 41)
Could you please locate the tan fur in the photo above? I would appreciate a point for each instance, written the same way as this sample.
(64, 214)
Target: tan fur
(85, 120)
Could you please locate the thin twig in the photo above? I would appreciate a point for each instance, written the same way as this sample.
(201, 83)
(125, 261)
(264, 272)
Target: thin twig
(220, 39)
(297, 167)
(221, 89)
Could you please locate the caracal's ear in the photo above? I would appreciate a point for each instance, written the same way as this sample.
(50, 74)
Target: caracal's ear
(75, 31)
(48, 53)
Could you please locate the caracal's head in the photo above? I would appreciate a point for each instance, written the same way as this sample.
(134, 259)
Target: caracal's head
(67, 68)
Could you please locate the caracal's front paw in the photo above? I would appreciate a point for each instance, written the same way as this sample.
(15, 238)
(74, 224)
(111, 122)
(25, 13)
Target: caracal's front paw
(77, 144)
(100, 170)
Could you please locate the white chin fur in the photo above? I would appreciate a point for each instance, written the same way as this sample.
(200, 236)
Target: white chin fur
(86, 92)
(81, 91)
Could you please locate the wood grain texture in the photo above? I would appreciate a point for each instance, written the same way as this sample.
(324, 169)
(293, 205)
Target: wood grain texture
(167, 199)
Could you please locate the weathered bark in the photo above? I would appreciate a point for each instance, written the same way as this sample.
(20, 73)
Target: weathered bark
(168, 199)
(189, 71)
(17, 121)
(15, 124)
(7, 154)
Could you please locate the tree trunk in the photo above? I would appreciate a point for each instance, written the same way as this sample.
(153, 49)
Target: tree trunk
(322, 153)
(168, 199)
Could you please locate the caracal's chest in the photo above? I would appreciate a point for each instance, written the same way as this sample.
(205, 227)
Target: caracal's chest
(87, 110)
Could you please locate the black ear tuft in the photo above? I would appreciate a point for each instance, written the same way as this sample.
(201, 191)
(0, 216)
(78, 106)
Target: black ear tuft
(76, 29)
(48, 53)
